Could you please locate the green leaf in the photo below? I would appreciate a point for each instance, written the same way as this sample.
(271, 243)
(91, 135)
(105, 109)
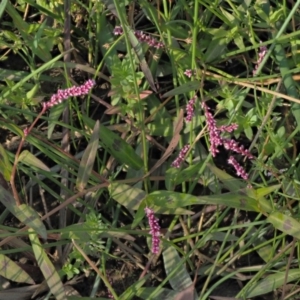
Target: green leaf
(136, 45)
(176, 176)
(28, 40)
(238, 199)
(51, 276)
(10, 270)
(272, 282)
(88, 159)
(131, 198)
(216, 48)
(132, 290)
(285, 224)
(2, 7)
(32, 161)
(116, 146)
(139, 215)
(156, 293)
(5, 165)
(24, 213)
(231, 183)
(180, 280)
(183, 89)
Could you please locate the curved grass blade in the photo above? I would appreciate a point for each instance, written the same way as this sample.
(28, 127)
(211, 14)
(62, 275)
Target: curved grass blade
(10, 270)
(46, 267)
(272, 282)
(116, 146)
(88, 159)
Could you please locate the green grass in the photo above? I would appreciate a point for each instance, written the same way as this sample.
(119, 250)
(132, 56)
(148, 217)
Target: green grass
(91, 164)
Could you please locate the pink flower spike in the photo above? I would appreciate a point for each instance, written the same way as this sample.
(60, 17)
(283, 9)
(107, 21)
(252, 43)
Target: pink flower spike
(214, 132)
(240, 171)
(154, 230)
(73, 91)
(190, 109)
(234, 146)
(180, 158)
(228, 128)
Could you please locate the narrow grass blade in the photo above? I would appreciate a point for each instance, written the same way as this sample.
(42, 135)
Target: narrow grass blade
(156, 293)
(116, 146)
(2, 7)
(88, 159)
(47, 268)
(10, 270)
(32, 161)
(132, 290)
(182, 89)
(272, 282)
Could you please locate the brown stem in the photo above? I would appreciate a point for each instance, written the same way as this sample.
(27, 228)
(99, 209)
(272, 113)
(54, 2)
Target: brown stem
(14, 168)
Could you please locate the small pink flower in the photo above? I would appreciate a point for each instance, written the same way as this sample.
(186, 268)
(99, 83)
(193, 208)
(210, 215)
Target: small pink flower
(118, 30)
(154, 230)
(190, 109)
(25, 131)
(181, 156)
(188, 73)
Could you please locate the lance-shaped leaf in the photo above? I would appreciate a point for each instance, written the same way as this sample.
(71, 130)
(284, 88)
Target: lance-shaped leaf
(47, 268)
(179, 278)
(273, 282)
(239, 199)
(88, 159)
(5, 165)
(32, 161)
(24, 213)
(285, 224)
(10, 270)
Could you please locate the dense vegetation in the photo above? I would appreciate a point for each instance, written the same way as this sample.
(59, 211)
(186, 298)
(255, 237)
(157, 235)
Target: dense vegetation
(149, 149)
